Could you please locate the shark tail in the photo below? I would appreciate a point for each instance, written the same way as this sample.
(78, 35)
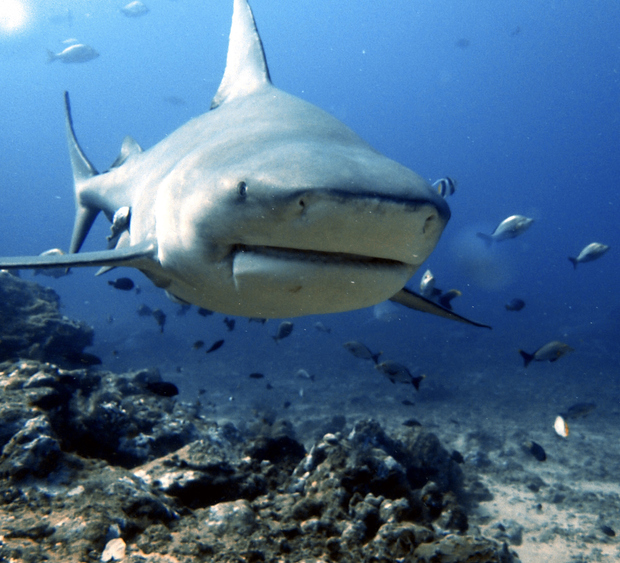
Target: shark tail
(83, 171)
(574, 261)
(51, 56)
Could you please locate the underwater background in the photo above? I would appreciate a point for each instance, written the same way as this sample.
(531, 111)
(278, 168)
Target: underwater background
(517, 101)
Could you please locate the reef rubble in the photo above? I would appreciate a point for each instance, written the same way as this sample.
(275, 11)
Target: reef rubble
(94, 465)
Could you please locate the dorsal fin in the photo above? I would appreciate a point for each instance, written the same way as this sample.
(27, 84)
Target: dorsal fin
(83, 170)
(246, 66)
(130, 146)
(82, 167)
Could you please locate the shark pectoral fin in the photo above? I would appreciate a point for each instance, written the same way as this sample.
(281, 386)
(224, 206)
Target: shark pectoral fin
(414, 301)
(84, 219)
(130, 146)
(124, 240)
(246, 65)
(135, 256)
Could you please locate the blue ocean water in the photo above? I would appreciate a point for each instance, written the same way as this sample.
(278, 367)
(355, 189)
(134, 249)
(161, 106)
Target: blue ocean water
(518, 101)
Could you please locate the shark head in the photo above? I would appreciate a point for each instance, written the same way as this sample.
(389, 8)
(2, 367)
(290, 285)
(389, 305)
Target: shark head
(265, 206)
(298, 216)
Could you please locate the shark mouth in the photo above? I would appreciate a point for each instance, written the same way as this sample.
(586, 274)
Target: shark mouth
(242, 253)
(291, 282)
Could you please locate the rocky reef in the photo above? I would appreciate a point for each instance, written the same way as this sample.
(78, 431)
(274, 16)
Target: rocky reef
(98, 466)
(32, 326)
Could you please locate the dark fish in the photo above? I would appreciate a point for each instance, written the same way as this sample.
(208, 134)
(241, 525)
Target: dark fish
(215, 346)
(124, 284)
(448, 296)
(550, 352)
(230, 323)
(182, 310)
(286, 404)
(579, 410)
(398, 373)
(256, 375)
(160, 318)
(82, 358)
(408, 403)
(463, 43)
(608, 531)
(198, 344)
(204, 312)
(284, 330)
(515, 304)
(411, 422)
(257, 320)
(144, 311)
(269, 387)
(515, 31)
(536, 450)
(361, 351)
(162, 388)
(457, 457)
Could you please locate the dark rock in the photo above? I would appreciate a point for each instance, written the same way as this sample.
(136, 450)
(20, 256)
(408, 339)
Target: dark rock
(32, 326)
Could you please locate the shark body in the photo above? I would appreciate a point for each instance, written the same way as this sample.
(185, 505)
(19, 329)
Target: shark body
(265, 206)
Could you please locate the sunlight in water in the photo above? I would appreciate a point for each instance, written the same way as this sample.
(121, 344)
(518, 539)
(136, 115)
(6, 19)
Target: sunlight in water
(14, 15)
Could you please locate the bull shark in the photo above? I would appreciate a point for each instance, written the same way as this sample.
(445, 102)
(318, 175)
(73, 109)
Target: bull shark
(265, 206)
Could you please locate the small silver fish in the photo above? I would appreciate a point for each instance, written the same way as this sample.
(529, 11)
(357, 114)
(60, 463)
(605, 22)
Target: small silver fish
(550, 352)
(427, 285)
(135, 9)
(52, 272)
(284, 330)
(78, 53)
(510, 227)
(445, 186)
(361, 351)
(591, 252)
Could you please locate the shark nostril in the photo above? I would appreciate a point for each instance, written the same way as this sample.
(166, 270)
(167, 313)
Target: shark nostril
(429, 223)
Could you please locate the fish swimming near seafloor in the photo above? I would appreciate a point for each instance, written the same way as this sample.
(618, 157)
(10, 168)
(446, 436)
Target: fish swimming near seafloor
(284, 330)
(265, 206)
(510, 227)
(361, 351)
(398, 373)
(515, 304)
(76, 53)
(591, 252)
(550, 352)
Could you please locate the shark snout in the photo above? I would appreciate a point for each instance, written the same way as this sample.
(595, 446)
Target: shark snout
(362, 224)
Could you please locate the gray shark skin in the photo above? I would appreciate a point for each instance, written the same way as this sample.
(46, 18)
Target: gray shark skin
(265, 206)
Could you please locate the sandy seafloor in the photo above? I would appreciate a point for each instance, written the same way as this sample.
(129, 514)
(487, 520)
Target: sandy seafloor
(477, 399)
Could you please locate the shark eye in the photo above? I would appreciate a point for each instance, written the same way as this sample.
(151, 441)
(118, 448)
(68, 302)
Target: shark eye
(242, 189)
